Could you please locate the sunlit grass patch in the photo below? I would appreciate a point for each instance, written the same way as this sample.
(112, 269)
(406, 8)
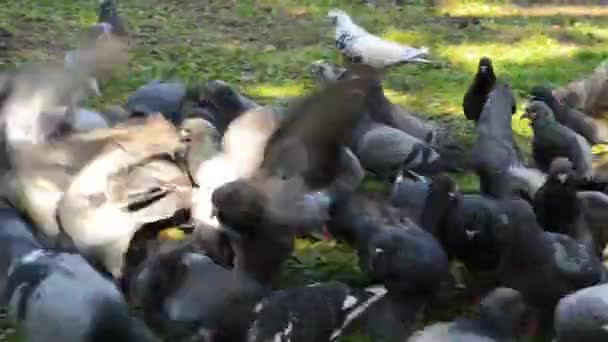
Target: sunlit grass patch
(274, 91)
(510, 8)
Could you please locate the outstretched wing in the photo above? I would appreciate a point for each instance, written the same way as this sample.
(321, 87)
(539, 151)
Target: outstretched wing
(308, 143)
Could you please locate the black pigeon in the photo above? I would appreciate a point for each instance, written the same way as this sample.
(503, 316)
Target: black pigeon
(583, 315)
(543, 266)
(227, 102)
(495, 150)
(261, 242)
(468, 232)
(557, 206)
(476, 96)
(569, 117)
(501, 318)
(39, 282)
(318, 312)
(552, 139)
(438, 203)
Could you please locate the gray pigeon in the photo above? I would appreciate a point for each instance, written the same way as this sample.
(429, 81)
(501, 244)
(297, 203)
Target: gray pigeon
(155, 96)
(38, 283)
(386, 151)
(502, 314)
(495, 150)
(570, 117)
(583, 315)
(552, 139)
(183, 293)
(567, 265)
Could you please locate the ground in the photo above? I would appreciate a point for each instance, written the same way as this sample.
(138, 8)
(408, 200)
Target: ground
(264, 48)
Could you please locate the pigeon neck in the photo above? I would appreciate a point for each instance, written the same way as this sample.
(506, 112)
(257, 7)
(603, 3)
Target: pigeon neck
(485, 81)
(435, 209)
(379, 106)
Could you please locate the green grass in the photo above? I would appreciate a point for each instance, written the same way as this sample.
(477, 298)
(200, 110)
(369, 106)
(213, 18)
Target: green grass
(264, 47)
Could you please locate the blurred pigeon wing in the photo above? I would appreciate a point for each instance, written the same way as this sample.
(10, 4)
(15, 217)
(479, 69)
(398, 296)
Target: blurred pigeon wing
(308, 142)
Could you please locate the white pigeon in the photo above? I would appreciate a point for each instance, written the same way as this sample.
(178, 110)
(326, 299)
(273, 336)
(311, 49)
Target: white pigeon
(360, 46)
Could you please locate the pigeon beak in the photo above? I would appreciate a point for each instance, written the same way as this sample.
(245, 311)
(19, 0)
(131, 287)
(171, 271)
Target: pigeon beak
(562, 177)
(530, 115)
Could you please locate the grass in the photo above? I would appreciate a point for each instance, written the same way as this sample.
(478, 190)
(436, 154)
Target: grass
(264, 47)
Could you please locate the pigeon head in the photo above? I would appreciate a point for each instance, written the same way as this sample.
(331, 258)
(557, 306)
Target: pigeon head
(538, 111)
(338, 16)
(541, 93)
(238, 205)
(506, 309)
(326, 72)
(561, 168)
(485, 66)
(223, 97)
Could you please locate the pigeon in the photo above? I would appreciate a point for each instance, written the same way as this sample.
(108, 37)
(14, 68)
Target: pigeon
(453, 156)
(386, 151)
(78, 119)
(581, 316)
(318, 312)
(327, 73)
(478, 92)
(40, 171)
(229, 104)
(38, 282)
(552, 139)
(108, 15)
(410, 194)
(495, 149)
(587, 94)
(183, 293)
(557, 206)
(543, 266)
(569, 117)
(103, 48)
(440, 199)
(159, 97)
(111, 204)
(245, 218)
(360, 46)
(202, 143)
(502, 315)
(468, 234)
